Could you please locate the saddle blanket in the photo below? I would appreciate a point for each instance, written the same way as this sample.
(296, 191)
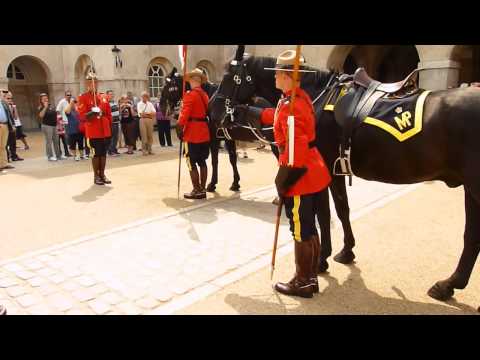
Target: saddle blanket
(402, 118)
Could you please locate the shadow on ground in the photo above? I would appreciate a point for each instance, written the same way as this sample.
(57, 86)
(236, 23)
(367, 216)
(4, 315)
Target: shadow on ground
(352, 297)
(69, 167)
(93, 193)
(258, 210)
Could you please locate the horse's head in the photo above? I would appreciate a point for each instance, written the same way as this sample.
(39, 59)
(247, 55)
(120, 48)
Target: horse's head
(237, 87)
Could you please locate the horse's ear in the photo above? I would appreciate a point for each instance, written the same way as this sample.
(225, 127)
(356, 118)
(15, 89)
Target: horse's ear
(239, 53)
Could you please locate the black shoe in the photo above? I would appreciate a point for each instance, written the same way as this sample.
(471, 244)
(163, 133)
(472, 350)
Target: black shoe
(18, 158)
(201, 195)
(195, 195)
(295, 287)
(98, 181)
(105, 180)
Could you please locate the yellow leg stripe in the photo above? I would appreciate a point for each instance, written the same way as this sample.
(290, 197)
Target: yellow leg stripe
(187, 158)
(296, 219)
(92, 150)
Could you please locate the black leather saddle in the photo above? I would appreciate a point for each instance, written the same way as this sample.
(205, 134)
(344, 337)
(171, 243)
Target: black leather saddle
(356, 104)
(398, 89)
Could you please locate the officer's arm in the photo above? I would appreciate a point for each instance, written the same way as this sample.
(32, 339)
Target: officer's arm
(83, 112)
(186, 111)
(280, 129)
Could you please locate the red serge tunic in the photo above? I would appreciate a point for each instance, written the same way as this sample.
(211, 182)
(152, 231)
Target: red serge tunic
(194, 108)
(317, 176)
(95, 128)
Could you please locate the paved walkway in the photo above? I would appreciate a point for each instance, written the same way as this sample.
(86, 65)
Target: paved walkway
(162, 264)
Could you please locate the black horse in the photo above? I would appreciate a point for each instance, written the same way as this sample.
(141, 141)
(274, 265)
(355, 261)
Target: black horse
(447, 149)
(171, 97)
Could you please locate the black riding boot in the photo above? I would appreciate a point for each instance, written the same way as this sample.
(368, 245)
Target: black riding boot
(203, 178)
(196, 192)
(301, 284)
(97, 180)
(103, 163)
(315, 260)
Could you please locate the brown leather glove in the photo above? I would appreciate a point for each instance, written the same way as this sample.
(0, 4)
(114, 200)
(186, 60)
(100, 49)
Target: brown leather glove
(179, 131)
(288, 176)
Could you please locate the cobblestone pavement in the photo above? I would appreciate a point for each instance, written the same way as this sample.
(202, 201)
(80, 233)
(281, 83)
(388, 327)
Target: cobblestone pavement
(145, 267)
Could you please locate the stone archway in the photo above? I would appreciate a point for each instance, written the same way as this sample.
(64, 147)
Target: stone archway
(397, 62)
(82, 66)
(386, 63)
(468, 57)
(208, 68)
(28, 76)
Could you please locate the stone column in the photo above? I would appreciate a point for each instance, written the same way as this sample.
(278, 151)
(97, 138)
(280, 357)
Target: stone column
(439, 75)
(4, 83)
(56, 91)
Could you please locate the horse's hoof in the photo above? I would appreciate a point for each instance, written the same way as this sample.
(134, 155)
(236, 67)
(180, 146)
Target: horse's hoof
(235, 187)
(322, 267)
(345, 257)
(211, 188)
(441, 291)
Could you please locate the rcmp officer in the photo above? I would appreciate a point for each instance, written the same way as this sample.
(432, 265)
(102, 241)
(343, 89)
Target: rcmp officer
(94, 110)
(195, 133)
(300, 180)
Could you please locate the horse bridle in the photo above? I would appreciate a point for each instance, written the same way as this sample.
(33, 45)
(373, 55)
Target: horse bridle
(230, 102)
(170, 90)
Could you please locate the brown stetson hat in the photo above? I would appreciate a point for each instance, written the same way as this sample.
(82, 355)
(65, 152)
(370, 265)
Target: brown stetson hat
(286, 62)
(196, 72)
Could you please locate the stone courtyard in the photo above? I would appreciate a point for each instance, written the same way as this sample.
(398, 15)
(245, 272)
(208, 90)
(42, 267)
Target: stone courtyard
(134, 248)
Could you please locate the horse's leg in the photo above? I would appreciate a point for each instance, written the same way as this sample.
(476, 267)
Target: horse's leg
(323, 218)
(214, 152)
(443, 290)
(340, 198)
(232, 154)
(275, 151)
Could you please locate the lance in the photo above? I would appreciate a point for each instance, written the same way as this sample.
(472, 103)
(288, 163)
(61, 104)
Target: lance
(183, 59)
(93, 74)
(291, 147)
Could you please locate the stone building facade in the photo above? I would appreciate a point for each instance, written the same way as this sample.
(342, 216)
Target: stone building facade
(29, 70)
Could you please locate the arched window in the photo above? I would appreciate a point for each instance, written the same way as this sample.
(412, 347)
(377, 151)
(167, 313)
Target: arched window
(14, 72)
(156, 79)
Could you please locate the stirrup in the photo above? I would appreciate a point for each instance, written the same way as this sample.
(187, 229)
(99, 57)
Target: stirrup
(345, 165)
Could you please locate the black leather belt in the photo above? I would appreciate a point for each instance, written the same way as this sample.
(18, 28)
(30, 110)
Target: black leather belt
(198, 119)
